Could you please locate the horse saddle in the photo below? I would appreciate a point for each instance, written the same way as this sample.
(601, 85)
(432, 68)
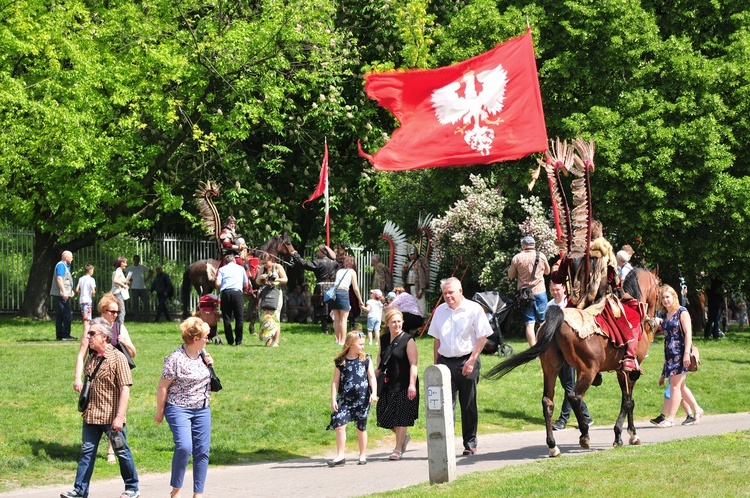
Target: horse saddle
(609, 317)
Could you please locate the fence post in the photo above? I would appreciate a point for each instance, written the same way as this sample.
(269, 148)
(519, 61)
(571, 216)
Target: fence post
(441, 454)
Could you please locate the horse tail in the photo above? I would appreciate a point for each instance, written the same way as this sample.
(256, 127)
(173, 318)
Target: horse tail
(545, 339)
(185, 292)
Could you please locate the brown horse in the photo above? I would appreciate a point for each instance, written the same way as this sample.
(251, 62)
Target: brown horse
(589, 356)
(201, 275)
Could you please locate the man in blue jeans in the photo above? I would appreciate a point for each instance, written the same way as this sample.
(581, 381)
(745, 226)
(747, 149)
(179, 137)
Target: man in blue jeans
(529, 268)
(105, 412)
(62, 289)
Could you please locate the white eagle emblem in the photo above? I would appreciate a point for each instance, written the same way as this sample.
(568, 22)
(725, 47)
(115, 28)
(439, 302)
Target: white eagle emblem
(473, 108)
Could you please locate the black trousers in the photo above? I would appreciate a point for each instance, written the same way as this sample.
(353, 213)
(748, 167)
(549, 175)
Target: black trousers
(713, 323)
(412, 321)
(161, 307)
(232, 307)
(466, 388)
(567, 377)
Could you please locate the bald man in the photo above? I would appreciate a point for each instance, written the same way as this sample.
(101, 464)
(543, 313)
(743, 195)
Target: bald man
(62, 289)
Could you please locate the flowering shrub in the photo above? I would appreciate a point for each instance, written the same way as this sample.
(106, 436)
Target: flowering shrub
(539, 225)
(473, 229)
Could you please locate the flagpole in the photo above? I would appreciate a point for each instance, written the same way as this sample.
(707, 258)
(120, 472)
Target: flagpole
(328, 215)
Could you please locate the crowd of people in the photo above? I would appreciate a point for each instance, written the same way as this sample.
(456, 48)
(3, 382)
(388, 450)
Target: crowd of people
(459, 328)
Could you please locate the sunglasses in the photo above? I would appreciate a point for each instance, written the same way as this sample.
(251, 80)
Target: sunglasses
(113, 312)
(92, 333)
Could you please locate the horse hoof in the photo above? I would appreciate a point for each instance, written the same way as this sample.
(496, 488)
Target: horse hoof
(635, 440)
(554, 452)
(584, 442)
(617, 444)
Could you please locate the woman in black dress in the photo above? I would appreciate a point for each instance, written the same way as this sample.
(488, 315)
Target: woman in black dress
(398, 403)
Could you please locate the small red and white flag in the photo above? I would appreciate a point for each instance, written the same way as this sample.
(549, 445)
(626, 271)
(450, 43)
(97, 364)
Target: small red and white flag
(322, 188)
(480, 111)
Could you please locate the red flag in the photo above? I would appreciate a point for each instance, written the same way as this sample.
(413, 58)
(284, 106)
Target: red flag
(322, 187)
(482, 110)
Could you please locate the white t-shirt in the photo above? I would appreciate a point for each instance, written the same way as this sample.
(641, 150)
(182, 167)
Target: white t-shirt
(459, 329)
(138, 279)
(375, 307)
(345, 278)
(562, 304)
(86, 286)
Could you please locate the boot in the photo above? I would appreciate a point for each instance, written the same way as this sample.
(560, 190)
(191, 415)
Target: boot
(628, 361)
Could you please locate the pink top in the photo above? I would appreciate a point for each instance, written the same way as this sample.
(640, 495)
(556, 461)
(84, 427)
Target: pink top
(190, 387)
(406, 303)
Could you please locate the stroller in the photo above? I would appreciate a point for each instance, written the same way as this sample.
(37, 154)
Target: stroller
(498, 311)
(208, 311)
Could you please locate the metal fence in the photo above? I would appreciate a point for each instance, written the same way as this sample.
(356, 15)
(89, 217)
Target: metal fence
(174, 253)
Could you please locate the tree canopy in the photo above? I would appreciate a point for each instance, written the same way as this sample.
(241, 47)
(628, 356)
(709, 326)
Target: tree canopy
(112, 112)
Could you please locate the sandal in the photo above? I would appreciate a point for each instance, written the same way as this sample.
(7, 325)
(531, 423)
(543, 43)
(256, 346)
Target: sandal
(698, 416)
(396, 455)
(665, 424)
(405, 443)
(111, 458)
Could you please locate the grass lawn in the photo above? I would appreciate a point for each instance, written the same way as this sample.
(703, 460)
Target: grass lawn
(706, 466)
(275, 402)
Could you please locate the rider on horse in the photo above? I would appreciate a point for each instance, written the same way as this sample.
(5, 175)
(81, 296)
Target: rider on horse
(620, 317)
(231, 242)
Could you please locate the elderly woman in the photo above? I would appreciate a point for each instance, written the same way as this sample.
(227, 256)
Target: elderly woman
(678, 341)
(398, 403)
(345, 277)
(108, 308)
(109, 395)
(409, 307)
(120, 285)
(271, 273)
(182, 397)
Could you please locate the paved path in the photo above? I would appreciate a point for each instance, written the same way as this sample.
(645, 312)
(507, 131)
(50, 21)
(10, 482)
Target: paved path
(311, 477)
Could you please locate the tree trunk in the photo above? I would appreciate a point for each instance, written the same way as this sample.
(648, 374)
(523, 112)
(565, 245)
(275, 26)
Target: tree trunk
(46, 255)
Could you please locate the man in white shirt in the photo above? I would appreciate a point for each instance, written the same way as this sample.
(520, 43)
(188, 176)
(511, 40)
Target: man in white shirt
(138, 291)
(460, 329)
(567, 374)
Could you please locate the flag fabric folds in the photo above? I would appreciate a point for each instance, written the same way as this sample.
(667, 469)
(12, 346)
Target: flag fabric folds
(482, 110)
(322, 187)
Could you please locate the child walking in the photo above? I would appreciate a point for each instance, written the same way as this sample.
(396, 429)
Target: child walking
(374, 309)
(86, 289)
(352, 391)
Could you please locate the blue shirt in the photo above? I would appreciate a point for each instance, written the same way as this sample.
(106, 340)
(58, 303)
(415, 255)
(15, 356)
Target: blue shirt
(233, 277)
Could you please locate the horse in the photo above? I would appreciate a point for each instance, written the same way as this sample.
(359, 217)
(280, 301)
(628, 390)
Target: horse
(201, 275)
(589, 356)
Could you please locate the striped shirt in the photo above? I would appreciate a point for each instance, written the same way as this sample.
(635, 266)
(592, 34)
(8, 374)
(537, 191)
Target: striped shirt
(105, 388)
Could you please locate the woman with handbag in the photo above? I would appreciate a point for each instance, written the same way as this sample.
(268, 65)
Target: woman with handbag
(183, 398)
(270, 277)
(108, 308)
(398, 385)
(345, 277)
(678, 342)
(120, 286)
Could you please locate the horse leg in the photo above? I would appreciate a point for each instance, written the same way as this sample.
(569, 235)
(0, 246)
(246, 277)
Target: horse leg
(626, 408)
(634, 439)
(548, 404)
(251, 302)
(585, 378)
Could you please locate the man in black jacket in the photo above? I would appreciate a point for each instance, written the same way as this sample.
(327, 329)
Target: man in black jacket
(324, 269)
(164, 289)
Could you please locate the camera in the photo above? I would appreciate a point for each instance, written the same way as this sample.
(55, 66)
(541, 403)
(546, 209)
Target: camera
(272, 277)
(118, 441)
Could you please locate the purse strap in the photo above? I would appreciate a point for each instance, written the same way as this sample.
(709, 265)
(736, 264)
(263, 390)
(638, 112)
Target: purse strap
(342, 277)
(388, 352)
(96, 370)
(536, 264)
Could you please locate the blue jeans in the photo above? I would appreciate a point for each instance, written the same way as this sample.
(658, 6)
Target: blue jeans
(92, 434)
(191, 431)
(536, 312)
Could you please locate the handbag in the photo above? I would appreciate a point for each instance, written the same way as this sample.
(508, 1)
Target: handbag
(124, 294)
(330, 294)
(215, 382)
(695, 359)
(83, 398)
(120, 346)
(524, 295)
(269, 297)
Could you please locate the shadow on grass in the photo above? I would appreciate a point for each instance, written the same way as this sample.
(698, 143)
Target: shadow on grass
(222, 456)
(55, 451)
(514, 414)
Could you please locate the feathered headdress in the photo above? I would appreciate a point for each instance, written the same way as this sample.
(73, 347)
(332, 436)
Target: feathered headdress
(398, 247)
(204, 195)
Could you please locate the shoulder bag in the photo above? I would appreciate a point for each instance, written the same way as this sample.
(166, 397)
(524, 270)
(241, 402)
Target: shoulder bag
(269, 297)
(215, 382)
(83, 398)
(120, 346)
(524, 295)
(695, 358)
(330, 295)
(382, 378)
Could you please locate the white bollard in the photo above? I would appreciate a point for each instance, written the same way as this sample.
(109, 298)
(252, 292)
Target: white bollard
(441, 454)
